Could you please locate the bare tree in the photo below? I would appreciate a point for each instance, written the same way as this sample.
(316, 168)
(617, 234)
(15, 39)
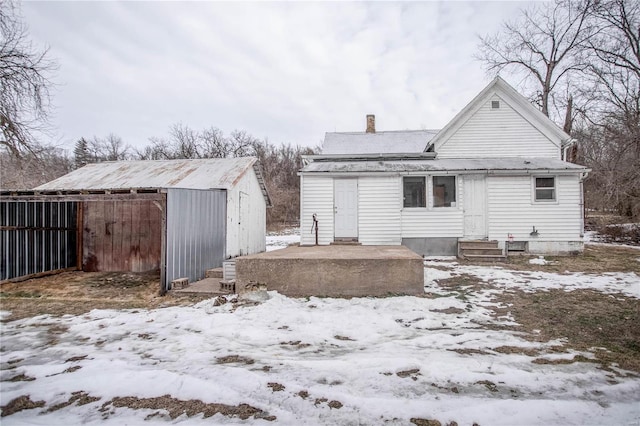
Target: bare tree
(544, 45)
(24, 84)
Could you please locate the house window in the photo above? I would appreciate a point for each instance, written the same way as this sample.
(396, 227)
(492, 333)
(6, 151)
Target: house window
(444, 191)
(414, 192)
(545, 188)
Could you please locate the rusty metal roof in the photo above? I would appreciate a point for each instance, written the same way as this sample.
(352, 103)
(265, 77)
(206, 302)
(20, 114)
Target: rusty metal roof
(403, 141)
(440, 165)
(213, 173)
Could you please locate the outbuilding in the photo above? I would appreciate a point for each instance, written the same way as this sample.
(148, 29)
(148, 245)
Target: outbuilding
(180, 217)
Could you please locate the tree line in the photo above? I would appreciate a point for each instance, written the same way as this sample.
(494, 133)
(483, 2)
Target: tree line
(579, 61)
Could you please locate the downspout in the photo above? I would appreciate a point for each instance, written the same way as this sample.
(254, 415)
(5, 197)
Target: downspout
(583, 207)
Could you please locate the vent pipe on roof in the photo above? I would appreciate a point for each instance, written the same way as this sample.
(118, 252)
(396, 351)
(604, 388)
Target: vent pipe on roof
(371, 123)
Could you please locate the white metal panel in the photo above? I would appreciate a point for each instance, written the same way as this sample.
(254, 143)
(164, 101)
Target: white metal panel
(498, 132)
(246, 217)
(513, 211)
(475, 207)
(439, 222)
(316, 197)
(379, 210)
(345, 218)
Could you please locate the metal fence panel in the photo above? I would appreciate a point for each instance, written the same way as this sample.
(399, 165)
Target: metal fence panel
(37, 236)
(196, 232)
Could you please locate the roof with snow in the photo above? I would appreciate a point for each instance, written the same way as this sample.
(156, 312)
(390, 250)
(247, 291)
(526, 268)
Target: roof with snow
(210, 173)
(318, 165)
(402, 141)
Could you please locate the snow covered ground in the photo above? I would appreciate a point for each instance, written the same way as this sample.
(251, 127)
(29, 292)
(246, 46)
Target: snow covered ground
(320, 360)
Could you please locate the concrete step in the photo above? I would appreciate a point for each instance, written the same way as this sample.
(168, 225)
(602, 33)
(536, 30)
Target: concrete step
(482, 251)
(213, 273)
(485, 258)
(345, 243)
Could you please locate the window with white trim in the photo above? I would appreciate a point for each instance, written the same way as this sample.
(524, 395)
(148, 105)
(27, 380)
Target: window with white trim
(444, 191)
(545, 189)
(414, 191)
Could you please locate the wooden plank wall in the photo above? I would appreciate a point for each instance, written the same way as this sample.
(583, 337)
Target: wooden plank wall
(122, 235)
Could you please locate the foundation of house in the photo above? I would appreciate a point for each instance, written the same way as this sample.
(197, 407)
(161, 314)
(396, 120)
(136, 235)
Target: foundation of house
(337, 270)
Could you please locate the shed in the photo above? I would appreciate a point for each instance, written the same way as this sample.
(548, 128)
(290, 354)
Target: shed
(180, 217)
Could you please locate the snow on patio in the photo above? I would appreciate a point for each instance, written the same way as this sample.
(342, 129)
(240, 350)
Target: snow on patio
(321, 360)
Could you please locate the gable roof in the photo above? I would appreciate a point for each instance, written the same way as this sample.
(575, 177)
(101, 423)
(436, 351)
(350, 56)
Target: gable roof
(518, 102)
(403, 141)
(211, 173)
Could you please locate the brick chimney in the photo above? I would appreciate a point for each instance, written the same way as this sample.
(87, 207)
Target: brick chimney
(371, 123)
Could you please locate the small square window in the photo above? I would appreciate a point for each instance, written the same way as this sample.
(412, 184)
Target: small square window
(495, 104)
(444, 191)
(545, 189)
(414, 192)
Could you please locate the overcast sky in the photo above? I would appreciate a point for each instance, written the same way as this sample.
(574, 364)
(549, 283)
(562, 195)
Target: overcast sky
(288, 72)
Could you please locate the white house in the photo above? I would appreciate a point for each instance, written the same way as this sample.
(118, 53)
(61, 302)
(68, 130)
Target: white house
(495, 172)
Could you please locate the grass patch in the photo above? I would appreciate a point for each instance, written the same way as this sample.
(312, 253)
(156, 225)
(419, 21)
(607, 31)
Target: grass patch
(586, 318)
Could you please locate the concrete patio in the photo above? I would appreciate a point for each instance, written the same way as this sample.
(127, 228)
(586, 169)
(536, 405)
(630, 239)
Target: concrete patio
(336, 270)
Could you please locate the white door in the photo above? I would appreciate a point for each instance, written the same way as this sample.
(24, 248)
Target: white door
(345, 209)
(475, 207)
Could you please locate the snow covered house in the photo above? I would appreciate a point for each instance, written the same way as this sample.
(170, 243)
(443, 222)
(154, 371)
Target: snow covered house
(495, 173)
(177, 216)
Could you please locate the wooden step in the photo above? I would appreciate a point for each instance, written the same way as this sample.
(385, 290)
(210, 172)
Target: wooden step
(482, 251)
(477, 244)
(345, 243)
(485, 258)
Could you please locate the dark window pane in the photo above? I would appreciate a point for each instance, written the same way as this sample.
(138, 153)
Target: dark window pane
(414, 192)
(545, 182)
(444, 191)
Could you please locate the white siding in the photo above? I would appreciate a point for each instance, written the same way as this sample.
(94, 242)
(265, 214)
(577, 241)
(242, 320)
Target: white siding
(379, 210)
(246, 217)
(513, 211)
(501, 132)
(316, 196)
(434, 221)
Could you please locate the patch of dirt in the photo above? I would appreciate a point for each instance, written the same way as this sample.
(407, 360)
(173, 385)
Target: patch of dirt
(296, 343)
(79, 292)
(303, 394)
(20, 403)
(177, 407)
(275, 387)
(577, 358)
(586, 318)
(79, 397)
(594, 259)
(233, 359)
(516, 350)
(76, 358)
(338, 337)
(413, 373)
(450, 310)
(20, 378)
(469, 351)
(335, 404)
(488, 384)
(425, 422)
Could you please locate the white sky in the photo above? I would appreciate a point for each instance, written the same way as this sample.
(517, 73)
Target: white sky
(284, 71)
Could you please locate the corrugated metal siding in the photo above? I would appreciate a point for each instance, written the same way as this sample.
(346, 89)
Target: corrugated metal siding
(316, 197)
(195, 232)
(512, 210)
(497, 133)
(379, 210)
(36, 236)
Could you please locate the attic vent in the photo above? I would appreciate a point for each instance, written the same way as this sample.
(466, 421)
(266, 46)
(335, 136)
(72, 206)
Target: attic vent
(495, 104)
